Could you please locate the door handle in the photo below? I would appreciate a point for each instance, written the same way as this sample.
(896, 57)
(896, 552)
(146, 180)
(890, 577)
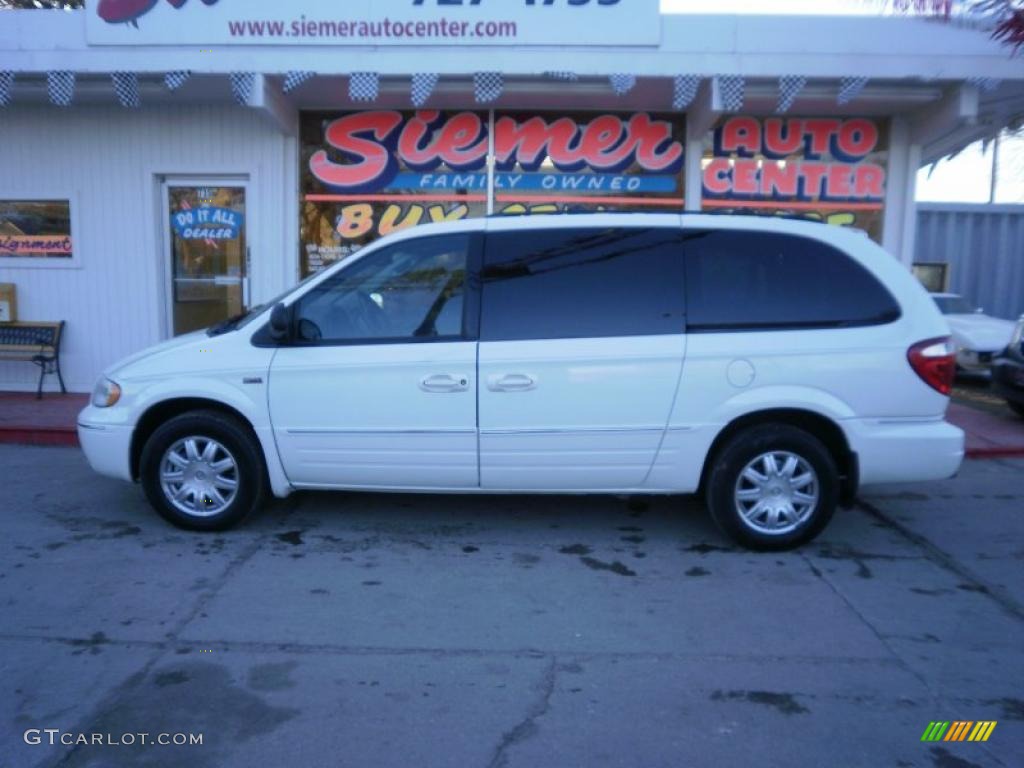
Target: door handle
(511, 382)
(444, 382)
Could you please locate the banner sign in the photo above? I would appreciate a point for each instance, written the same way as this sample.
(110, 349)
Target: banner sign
(830, 169)
(207, 222)
(801, 160)
(374, 22)
(367, 174)
(35, 228)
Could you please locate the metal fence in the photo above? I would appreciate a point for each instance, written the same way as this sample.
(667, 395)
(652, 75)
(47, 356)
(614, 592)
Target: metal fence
(984, 247)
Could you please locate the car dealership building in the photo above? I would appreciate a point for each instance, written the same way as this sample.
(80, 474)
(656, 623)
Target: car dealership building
(165, 165)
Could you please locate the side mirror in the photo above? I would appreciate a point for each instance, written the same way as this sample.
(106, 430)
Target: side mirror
(280, 323)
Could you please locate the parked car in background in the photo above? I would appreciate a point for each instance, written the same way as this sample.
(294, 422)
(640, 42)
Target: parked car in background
(977, 336)
(771, 366)
(1008, 371)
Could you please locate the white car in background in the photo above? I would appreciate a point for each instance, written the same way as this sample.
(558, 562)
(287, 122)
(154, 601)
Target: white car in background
(978, 337)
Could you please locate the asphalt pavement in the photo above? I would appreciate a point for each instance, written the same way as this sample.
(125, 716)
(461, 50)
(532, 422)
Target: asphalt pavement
(394, 630)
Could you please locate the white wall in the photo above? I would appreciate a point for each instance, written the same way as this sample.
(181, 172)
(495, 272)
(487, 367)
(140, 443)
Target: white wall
(107, 161)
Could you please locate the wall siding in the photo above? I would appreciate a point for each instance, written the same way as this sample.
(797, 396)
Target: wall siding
(107, 160)
(984, 247)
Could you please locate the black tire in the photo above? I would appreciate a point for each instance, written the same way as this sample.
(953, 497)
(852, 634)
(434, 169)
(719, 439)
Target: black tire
(743, 448)
(1017, 408)
(249, 471)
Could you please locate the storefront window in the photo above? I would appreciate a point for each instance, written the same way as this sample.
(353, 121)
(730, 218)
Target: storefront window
(37, 229)
(827, 169)
(367, 174)
(587, 162)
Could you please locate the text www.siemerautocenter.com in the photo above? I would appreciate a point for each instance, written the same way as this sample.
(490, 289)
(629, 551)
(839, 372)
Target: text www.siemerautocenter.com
(369, 31)
(54, 736)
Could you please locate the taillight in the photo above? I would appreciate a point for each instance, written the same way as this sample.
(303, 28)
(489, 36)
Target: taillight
(934, 361)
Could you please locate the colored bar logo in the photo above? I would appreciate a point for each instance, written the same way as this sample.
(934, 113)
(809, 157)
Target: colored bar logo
(959, 730)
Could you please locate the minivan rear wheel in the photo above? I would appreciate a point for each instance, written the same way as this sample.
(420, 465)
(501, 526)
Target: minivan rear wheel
(202, 471)
(772, 487)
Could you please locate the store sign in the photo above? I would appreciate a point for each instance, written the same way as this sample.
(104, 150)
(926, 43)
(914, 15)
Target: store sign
(800, 160)
(35, 229)
(368, 174)
(207, 222)
(374, 22)
(375, 144)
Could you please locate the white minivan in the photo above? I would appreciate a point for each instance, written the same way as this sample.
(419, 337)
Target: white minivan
(771, 365)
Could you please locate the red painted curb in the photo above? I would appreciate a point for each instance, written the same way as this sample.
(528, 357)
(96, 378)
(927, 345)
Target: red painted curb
(994, 453)
(39, 436)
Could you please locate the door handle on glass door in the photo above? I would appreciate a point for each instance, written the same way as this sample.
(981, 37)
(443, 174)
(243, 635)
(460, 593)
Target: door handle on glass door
(444, 382)
(511, 382)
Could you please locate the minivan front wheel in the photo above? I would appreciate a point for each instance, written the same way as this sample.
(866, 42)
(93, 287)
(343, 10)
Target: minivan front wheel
(773, 487)
(202, 471)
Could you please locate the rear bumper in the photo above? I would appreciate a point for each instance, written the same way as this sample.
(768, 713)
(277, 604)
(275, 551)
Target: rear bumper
(899, 451)
(107, 447)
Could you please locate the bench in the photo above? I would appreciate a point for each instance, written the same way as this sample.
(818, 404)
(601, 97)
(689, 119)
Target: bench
(37, 343)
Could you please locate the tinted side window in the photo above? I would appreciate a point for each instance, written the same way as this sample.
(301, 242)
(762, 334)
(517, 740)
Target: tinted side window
(411, 291)
(759, 280)
(582, 283)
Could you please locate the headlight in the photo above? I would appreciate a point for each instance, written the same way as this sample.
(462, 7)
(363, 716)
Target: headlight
(105, 393)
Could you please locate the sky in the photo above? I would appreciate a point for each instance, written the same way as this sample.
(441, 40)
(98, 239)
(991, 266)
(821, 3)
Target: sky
(966, 178)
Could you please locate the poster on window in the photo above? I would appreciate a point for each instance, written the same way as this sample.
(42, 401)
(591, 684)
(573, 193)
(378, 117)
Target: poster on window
(827, 169)
(368, 174)
(37, 229)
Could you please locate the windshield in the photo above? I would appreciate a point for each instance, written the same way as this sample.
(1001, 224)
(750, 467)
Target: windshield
(954, 305)
(243, 319)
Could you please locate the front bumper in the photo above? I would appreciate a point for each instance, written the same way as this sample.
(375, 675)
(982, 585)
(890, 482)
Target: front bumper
(1008, 379)
(106, 445)
(905, 450)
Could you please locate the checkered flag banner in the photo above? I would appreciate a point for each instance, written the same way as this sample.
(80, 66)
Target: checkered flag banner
(174, 80)
(423, 85)
(126, 87)
(364, 86)
(730, 88)
(850, 88)
(684, 90)
(986, 84)
(242, 85)
(789, 88)
(622, 84)
(61, 87)
(487, 87)
(293, 80)
(6, 86)
(565, 77)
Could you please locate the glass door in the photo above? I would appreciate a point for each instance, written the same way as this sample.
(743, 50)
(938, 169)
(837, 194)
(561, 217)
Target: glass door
(208, 254)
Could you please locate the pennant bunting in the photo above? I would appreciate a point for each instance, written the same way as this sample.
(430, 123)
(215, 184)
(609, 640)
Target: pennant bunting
(364, 86)
(622, 84)
(850, 88)
(61, 88)
(731, 90)
(6, 86)
(126, 88)
(174, 80)
(293, 80)
(684, 90)
(242, 85)
(423, 85)
(789, 88)
(487, 87)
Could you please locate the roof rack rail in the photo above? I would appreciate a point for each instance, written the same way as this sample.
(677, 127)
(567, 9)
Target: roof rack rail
(760, 215)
